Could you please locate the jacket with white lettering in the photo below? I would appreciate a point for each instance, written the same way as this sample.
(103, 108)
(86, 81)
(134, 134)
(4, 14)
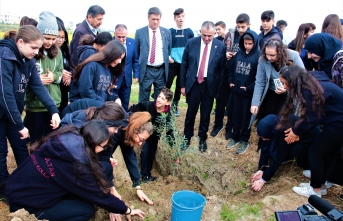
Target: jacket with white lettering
(60, 166)
(16, 75)
(242, 70)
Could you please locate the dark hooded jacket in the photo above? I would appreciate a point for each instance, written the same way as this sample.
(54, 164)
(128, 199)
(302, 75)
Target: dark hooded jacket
(275, 151)
(333, 106)
(17, 74)
(78, 118)
(84, 51)
(242, 72)
(274, 32)
(325, 46)
(57, 168)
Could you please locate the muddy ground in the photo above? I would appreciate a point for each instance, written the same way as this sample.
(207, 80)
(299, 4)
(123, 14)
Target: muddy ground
(219, 174)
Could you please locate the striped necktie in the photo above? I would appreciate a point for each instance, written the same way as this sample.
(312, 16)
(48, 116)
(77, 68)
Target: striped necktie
(153, 48)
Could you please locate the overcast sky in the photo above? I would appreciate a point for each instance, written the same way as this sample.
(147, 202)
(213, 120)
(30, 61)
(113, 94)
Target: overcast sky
(133, 13)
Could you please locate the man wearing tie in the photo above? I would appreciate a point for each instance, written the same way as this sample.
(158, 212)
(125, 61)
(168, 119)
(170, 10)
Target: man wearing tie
(124, 82)
(153, 46)
(90, 25)
(201, 73)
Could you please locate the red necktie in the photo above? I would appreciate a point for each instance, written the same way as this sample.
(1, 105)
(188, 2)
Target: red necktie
(153, 48)
(202, 66)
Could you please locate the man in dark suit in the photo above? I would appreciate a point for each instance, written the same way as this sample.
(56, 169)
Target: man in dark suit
(153, 46)
(90, 25)
(201, 74)
(124, 81)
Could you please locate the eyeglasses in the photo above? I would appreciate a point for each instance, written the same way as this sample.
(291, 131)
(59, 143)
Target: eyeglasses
(63, 38)
(104, 147)
(140, 139)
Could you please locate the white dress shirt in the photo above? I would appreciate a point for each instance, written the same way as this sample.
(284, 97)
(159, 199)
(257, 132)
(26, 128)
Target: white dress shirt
(159, 47)
(95, 31)
(202, 47)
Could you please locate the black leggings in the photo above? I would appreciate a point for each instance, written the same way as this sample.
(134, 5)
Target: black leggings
(326, 143)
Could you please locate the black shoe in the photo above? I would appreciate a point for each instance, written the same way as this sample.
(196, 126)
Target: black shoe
(216, 130)
(185, 144)
(228, 135)
(146, 179)
(226, 112)
(202, 146)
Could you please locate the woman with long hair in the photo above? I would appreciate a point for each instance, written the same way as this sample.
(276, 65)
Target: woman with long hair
(63, 43)
(114, 114)
(49, 65)
(62, 178)
(304, 31)
(95, 77)
(18, 73)
(316, 100)
(269, 95)
(332, 25)
(90, 45)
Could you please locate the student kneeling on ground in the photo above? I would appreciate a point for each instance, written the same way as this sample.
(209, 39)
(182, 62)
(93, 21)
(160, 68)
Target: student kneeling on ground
(62, 179)
(276, 150)
(156, 109)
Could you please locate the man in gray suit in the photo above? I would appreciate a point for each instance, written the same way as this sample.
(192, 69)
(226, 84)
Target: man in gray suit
(153, 45)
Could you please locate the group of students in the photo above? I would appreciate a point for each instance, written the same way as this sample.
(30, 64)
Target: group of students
(295, 93)
(69, 165)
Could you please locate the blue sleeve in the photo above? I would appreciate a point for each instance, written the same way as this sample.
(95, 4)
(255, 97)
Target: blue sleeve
(8, 102)
(129, 156)
(85, 82)
(135, 63)
(137, 43)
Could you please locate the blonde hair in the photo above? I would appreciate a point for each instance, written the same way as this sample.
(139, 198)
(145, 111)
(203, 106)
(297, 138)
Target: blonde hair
(138, 122)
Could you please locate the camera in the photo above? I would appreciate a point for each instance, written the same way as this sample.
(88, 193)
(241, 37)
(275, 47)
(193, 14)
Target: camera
(307, 212)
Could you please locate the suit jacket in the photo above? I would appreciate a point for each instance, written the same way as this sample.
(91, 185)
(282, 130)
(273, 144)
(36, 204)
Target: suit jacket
(80, 30)
(190, 64)
(131, 63)
(143, 49)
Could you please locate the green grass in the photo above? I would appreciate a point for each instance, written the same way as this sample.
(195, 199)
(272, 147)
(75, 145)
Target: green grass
(243, 210)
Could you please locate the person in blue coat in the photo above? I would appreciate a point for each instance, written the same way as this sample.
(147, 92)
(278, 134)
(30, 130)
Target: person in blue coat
(131, 70)
(18, 73)
(95, 78)
(62, 179)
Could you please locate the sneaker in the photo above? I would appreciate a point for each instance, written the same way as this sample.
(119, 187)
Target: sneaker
(306, 191)
(307, 173)
(216, 131)
(228, 135)
(213, 112)
(176, 112)
(328, 184)
(232, 143)
(323, 189)
(242, 147)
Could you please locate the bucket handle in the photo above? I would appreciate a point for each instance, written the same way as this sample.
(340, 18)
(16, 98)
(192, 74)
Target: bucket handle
(189, 209)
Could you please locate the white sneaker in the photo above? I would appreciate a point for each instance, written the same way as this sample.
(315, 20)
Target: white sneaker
(328, 184)
(306, 191)
(323, 190)
(307, 173)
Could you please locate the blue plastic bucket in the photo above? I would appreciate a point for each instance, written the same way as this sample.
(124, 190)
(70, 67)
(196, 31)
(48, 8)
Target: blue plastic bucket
(187, 206)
